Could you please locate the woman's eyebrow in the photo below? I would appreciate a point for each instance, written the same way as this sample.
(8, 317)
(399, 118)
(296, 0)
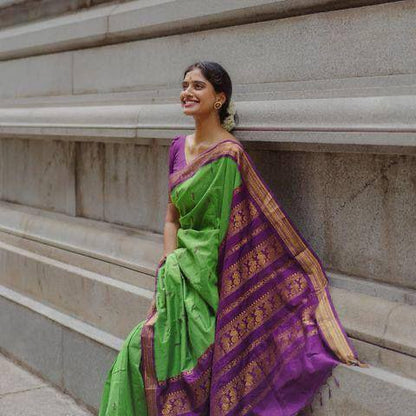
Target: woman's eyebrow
(196, 81)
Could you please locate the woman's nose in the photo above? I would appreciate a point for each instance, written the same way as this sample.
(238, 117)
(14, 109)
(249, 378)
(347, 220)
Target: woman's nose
(188, 89)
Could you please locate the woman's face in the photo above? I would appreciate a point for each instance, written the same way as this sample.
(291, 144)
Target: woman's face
(198, 95)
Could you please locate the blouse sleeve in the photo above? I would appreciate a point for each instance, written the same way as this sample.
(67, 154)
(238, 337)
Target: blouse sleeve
(173, 149)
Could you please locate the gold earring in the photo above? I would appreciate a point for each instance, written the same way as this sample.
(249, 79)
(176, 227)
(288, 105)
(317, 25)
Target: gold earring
(217, 105)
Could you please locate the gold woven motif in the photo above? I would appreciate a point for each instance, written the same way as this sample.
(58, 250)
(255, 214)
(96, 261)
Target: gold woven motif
(259, 312)
(251, 263)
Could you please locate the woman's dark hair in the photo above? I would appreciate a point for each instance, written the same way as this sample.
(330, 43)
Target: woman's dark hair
(220, 80)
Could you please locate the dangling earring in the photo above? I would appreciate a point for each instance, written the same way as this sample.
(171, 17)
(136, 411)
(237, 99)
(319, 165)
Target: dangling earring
(217, 105)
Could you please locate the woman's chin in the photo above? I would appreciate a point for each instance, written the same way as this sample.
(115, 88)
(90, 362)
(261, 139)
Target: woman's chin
(189, 111)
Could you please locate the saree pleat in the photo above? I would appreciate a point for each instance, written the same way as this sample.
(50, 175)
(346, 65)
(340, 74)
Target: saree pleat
(243, 322)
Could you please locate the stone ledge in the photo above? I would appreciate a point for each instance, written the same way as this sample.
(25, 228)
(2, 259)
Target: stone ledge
(377, 321)
(366, 392)
(396, 362)
(67, 321)
(70, 354)
(85, 261)
(17, 12)
(127, 247)
(374, 289)
(379, 122)
(137, 20)
(363, 86)
(108, 304)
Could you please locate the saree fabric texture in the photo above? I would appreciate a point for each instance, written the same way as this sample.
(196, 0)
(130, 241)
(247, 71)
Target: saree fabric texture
(242, 321)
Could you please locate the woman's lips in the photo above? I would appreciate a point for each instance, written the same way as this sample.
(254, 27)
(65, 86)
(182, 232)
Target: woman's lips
(189, 104)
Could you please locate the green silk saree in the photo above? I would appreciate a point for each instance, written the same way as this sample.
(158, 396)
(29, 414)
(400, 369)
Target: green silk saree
(242, 323)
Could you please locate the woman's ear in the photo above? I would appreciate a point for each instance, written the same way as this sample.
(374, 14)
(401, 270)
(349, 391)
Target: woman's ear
(221, 97)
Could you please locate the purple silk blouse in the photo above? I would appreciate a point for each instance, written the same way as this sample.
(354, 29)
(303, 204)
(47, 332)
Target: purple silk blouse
(177, 159)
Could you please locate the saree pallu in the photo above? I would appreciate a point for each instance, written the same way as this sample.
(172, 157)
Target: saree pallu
(243, 322)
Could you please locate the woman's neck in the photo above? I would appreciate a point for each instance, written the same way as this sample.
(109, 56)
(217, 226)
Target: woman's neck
(207, 130)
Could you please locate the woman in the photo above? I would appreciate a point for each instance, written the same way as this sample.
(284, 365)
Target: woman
(242, 321)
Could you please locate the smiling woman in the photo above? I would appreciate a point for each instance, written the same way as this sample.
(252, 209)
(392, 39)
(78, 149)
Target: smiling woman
(242, 321)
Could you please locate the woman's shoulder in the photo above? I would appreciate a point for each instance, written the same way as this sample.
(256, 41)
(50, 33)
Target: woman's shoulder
(175, 144)
(174, 152)
(232, 142)
(176, 140)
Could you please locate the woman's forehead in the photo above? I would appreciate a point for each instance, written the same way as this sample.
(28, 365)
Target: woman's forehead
(194, 75)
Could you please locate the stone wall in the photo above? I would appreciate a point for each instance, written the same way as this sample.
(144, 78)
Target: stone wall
(89, 101)
(15, 12)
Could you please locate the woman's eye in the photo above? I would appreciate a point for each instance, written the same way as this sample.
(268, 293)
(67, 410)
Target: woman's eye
(197, 86)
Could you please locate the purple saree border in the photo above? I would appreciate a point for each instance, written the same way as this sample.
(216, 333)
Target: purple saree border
(190, 376)
(277, 317)
(245, 248)
(233, 240)
(308, 246)
(325, 372)
(237, 237)
(297, 344)
(288, 254)
(147, 341)
(225, 319)
(296, 230)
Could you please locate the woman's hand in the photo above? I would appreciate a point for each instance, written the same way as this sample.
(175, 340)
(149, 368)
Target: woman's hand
(162, 259)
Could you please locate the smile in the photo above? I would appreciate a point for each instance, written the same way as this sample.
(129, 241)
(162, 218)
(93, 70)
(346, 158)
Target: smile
(189, 103)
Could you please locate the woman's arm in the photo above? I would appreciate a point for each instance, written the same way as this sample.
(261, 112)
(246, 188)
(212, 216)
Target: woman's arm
(169, 239)
(170, 229)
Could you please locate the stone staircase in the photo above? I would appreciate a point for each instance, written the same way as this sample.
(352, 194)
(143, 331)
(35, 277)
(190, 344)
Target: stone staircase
(325, 91)
(71, 290)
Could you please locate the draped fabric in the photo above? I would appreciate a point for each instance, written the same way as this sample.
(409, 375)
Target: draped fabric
(243, 322)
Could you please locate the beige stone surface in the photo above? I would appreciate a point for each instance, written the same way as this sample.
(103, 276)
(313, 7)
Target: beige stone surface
(387, 359)
(23, 394)
(105, 303)
(365, 392)
(39, 174)
(115, 244)
(36, 76)
(355, 210)
(347, 43)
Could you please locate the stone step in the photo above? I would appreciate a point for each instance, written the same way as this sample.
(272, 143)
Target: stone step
(76, 357)
(365, 392)
(391, 325)
(375, 289)
(67, 352)
(384, 358)
(108, 304)
(80, 241)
